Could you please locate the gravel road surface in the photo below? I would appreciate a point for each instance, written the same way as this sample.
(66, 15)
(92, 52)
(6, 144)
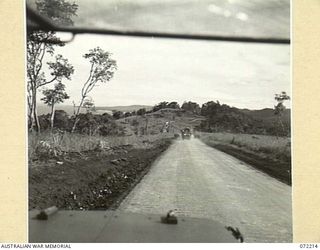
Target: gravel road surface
(202, 182)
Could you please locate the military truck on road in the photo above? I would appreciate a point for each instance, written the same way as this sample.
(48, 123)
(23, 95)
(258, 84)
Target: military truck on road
(186, 133)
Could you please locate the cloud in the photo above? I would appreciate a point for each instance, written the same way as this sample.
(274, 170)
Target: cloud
(152, 70)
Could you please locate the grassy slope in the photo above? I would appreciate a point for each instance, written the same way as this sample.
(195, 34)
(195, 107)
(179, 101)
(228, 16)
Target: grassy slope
(267, 115)
(69, 142)
(155, 121)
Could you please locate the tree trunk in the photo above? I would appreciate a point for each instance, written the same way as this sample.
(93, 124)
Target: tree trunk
(282, 126)
(76, 116)
(75, 124)
(52, 116)
(36, 123)
(74, 108)
(30, 114)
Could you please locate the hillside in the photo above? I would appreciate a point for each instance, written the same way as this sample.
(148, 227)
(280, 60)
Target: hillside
(223, 118)
(153, 123)
(211, 117)
(266, 115)
(125, 108)
(44, 109)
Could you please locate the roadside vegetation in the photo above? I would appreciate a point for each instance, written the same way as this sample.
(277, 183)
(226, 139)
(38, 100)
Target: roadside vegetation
(63, 143)
(277, 148)
(270, 154)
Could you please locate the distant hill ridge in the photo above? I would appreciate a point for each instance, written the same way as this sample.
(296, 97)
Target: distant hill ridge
(212, 117)
(129, 108)
(266, 113)
(44, 109)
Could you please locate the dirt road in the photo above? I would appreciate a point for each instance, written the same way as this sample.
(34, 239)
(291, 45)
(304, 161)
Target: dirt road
(202, 182)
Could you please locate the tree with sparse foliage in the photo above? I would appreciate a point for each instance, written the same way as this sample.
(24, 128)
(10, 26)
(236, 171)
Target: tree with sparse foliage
(60, 12)
(53, 97)
(59, 69)
(280, 108)
(88, 104)
(101, 71)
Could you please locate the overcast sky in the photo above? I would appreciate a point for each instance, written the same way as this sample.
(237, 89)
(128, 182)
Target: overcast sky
(154, 70)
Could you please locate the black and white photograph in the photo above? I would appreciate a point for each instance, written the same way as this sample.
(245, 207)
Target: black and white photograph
(159, 121)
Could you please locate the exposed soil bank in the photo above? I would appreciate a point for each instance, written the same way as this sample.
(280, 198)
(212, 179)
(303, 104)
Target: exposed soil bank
(90, 180)
(280, 170)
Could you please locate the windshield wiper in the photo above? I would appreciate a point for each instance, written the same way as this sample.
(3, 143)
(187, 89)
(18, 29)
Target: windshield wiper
(38, 22)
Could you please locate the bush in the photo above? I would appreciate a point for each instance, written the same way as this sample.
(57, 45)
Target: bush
(62, 120)
(141, 111)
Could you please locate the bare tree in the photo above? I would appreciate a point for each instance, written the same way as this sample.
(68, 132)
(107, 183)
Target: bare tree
(102, 70)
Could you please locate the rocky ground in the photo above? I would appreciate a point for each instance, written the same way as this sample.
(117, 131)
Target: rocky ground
(90, 180)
